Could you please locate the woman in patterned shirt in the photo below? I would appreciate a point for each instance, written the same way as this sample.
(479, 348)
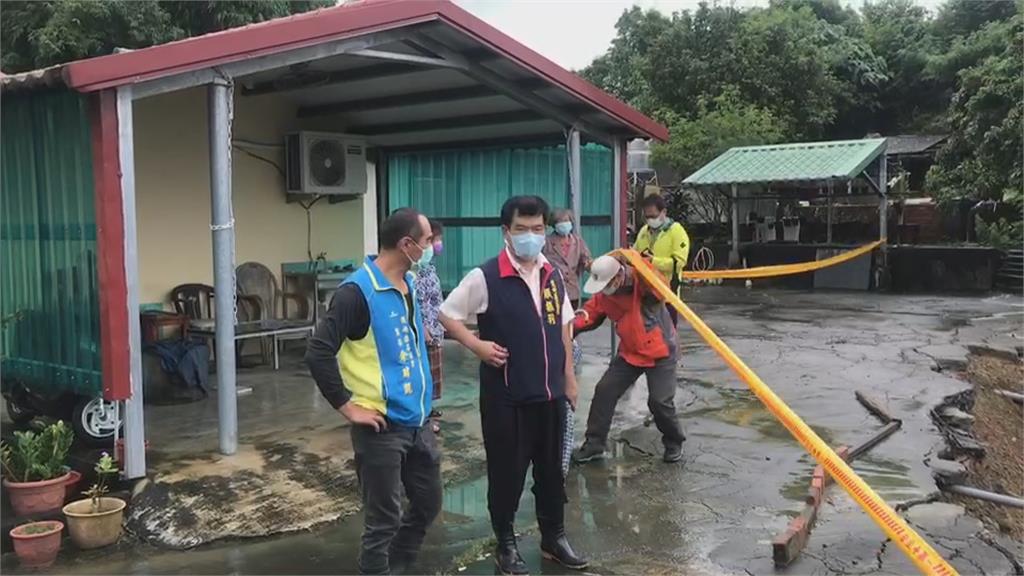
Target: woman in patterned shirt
(428, 291)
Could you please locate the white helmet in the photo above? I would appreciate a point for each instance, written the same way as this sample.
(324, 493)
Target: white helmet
(602, 270)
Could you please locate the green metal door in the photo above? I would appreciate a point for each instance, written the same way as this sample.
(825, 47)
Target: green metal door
(466, 188)
(49, 298)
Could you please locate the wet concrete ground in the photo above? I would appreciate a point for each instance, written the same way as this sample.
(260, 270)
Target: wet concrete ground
(743, 477)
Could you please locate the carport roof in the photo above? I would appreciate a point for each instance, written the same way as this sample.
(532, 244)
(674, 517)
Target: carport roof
(443, 25)
(789, 163)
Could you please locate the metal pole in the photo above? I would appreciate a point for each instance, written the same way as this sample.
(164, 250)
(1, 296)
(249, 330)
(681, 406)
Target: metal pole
(883, 203)
(734, 254)
(618, 150)
(618, 160)
(575, 189)
(995, 497)
(134, 411)
(220, 95)
(828, 227)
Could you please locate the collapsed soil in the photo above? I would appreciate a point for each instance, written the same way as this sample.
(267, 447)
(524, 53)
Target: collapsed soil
(999, 424)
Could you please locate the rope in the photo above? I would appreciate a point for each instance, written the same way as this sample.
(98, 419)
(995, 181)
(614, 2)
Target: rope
(916, 548)
(781, 269)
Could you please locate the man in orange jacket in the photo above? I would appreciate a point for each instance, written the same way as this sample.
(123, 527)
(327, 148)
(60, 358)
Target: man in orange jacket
(647, 345)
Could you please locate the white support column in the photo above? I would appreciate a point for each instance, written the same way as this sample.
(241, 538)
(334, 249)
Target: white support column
(734, 254)
(221, 94)
(134, 416)
(575, 189)
(828, 215)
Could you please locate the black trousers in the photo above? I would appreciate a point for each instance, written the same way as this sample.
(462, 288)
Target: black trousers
(387, 462)
(661, 390)
(514, 438)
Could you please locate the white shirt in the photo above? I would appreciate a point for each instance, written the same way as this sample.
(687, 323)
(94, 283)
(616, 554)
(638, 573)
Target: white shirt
(469, 298)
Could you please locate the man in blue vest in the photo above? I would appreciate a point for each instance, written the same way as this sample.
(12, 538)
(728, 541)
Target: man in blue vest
(369, 359)
(526, 378)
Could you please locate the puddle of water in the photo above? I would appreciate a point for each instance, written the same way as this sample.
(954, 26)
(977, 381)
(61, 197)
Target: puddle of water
(741, 408)
(890, 479)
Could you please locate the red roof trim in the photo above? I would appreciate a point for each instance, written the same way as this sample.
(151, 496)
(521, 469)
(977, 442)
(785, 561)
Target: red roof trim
(330, 24)
(246, 42)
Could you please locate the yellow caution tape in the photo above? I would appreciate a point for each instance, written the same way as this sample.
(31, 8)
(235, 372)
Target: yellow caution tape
(782, 269)
(915, 547)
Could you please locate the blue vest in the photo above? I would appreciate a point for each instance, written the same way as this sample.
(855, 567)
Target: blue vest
(535, 370)
(388, 369)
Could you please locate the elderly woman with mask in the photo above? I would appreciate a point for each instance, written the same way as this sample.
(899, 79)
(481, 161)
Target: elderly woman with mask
(566, 249)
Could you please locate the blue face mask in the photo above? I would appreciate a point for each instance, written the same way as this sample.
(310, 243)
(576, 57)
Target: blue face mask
(428, 255)
(425, 258)
(563, 228)
(527, 245)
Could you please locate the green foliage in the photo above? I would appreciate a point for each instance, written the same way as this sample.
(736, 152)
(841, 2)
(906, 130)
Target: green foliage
(621, 71)
(982, 158)
(817, 69)
(721, 123)
(35, 34)
(105, 469)
(38, 456)
(1001, 234)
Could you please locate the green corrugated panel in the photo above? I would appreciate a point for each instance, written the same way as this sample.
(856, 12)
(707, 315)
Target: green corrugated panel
(48, 235)
(475, 183)
(596, 178)
(808, 161)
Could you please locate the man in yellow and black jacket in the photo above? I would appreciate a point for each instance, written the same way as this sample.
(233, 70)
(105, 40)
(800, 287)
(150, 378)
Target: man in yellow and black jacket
(664, 242)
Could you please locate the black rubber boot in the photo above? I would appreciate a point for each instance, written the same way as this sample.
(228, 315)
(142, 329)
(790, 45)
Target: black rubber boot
(506, 553)
(554, 545)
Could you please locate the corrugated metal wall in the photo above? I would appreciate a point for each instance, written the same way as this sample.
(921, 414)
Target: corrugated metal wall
(468, 187)
(48, 244)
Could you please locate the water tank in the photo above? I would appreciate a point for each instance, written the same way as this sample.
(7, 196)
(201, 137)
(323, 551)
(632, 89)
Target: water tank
(638, 156)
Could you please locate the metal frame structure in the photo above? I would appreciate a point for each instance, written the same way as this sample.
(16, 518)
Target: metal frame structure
(219, 62)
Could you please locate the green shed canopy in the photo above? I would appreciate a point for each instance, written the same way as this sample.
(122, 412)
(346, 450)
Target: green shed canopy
(792, 163)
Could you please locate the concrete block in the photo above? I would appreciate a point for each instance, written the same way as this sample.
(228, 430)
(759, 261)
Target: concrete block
(957, 417)
(948, 471)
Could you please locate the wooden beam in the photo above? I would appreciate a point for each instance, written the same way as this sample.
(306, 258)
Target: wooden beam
(513, 117)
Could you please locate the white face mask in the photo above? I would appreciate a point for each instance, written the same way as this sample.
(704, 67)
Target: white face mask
(655, 223)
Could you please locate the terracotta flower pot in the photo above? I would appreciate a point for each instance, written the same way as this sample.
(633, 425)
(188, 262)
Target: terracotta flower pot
(71, 488)
(37, 497)
(90, 529)
(37, 544)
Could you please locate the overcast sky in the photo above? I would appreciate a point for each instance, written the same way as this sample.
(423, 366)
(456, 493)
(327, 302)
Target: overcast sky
(574, 32)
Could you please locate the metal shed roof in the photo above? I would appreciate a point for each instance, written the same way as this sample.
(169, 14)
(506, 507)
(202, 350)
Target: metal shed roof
(422, 94)
(800, 162)
(912, 143)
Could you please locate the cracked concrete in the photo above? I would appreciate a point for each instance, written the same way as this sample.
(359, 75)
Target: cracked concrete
(743, 477)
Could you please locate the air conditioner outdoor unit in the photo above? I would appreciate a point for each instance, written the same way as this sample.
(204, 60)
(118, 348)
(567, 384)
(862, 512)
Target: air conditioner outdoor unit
(325, 164)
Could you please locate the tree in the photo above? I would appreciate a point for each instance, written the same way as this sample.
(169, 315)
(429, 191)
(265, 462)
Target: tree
(961, 18)
(911, 99)
(721, 123)
(621, 70)
(780, 67)
(982, 157)
(35, 34)
(694, 58)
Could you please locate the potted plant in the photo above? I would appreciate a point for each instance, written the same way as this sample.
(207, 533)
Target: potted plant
(33, 468)
(96, 521)
(36, 544)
